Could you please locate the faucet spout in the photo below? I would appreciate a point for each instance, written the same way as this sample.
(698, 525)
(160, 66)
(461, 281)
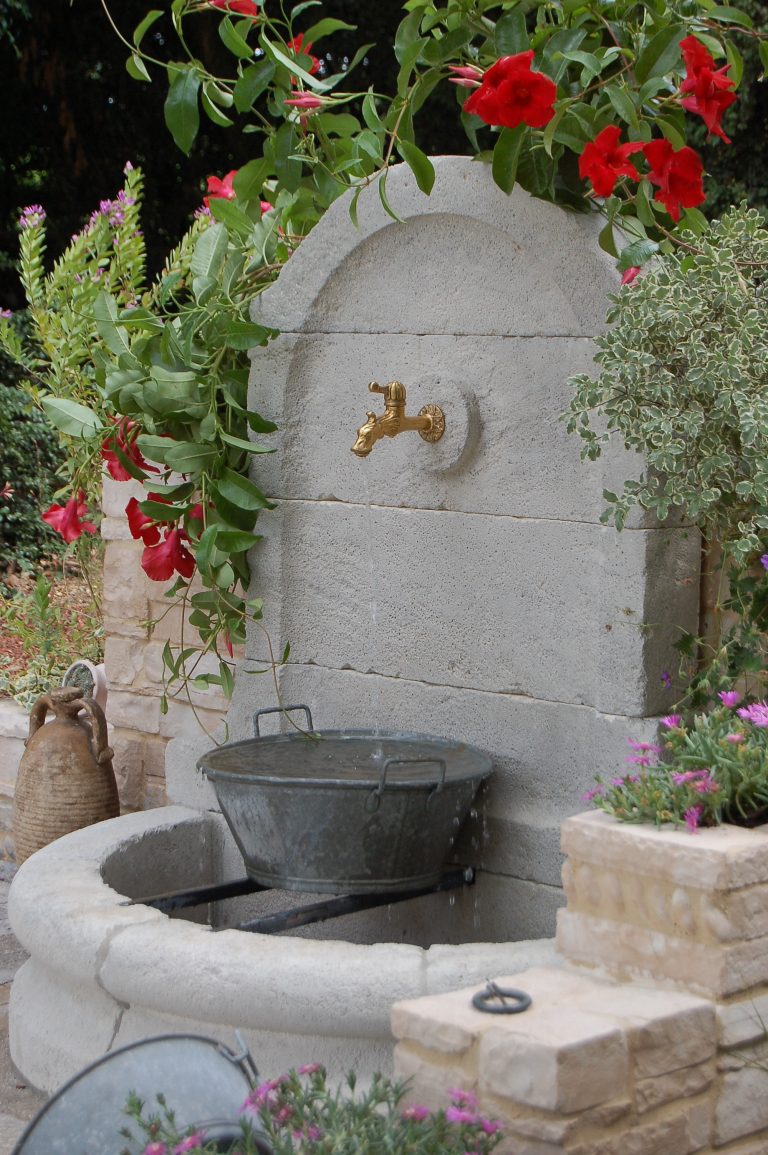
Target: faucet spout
(429, 423)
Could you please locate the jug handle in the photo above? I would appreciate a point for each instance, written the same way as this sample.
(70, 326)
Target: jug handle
(102, 752)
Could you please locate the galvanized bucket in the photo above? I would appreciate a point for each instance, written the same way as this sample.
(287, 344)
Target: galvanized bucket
(345, 811)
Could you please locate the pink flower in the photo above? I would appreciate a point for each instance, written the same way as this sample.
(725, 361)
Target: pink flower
(672, 721)
(465, 75)
(417, 1113)
(191, 1143)
(729, 698)
(30, 216)
(155, 1149)
(307, 102)
(160, 562)
(463, 1098)
(735, 738)
(590, 795)
(67, 519)
(688, 776)
(640, 760)
(240, 7)
(645, 747)
(491, 1126)
(629, 274)
(757, 713)
(692, 817)
(309, 1069)
(460, 1115)
(221, 189)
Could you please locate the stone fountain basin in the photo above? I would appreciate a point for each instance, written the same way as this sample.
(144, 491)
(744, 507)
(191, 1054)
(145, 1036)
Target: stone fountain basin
(102, 973)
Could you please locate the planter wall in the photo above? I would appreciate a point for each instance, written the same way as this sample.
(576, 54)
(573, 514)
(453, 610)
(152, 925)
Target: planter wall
(651, 1039)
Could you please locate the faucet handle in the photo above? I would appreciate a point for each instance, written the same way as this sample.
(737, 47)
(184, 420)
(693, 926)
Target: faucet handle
(374, 387)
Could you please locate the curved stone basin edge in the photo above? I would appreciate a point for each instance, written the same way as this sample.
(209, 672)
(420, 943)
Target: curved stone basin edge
(102, 974)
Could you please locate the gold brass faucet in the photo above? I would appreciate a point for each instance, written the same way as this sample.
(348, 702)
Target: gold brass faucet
(430, 422)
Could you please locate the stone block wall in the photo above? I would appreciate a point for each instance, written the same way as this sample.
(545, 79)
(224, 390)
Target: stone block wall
(652, 1039)
(140, 730)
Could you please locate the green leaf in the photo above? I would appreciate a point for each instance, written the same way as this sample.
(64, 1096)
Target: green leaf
(419, 164)
(243, 334)
(382, 183)
(252, 83)
(325, 27)
(213, 113)
(606, 240)
(210, 251)
(728, 15)
(353, 206)
(661, 54)
(407, 32)
(105, 314)
(71, 417)
(370, 114)
(288, 62)
(182, 116)
(736, 61)
(506, 156)
(622, 103)
(763, 50)
(136, 68)
(511, 33)
(637, 254)
(227, 680)
(671, 132)
(190, 457)
(246, 446)
(144, 25)
(232, 40)
(241, 491)
(249, 182)
(234, 540)
(232, 216)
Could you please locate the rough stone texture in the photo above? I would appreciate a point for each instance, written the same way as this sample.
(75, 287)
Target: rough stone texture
(667, 905)
(112, 958)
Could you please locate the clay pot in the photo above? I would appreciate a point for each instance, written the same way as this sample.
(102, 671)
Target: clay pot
(65, 779)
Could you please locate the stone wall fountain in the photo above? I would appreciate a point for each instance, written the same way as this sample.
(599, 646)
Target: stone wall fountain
(461, 587)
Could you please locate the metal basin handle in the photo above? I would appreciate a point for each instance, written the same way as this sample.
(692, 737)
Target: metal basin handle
(280, 710)
(378, 790)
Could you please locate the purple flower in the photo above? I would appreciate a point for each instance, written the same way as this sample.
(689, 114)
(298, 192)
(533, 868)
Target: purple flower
(672, 721)
(729, 698)
(417, 1113)
(309, 1069)
(692, 817)
(757, 713)
(666, 679)
(640, 760)
(460, 1115)
(31, 215)
(590, 795)
(155, 1149)
(764, 561)
(491, 1126)
(127, 167)
(6, 314)
(706, 785)
(618, 781)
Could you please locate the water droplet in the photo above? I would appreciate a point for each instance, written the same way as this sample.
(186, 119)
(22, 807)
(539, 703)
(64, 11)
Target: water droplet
(473, 814)
(457, 822)
(451, 899)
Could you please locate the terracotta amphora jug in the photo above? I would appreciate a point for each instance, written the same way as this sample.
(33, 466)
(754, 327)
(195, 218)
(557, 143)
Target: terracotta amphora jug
(65, 778)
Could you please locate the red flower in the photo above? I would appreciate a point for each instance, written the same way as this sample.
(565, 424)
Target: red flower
(221, 189)
(295, 46)
(511, 94)
(709, 88)
(159, 562)
(604, 160)
(678, 175)
(241, 7)
(629, 274)
(67, 519)
(140, 525)
(125, 439)
(306, 101)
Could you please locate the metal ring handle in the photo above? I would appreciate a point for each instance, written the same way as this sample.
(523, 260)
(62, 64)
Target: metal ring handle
(409, 762)
(280, 710)
(520, 1000)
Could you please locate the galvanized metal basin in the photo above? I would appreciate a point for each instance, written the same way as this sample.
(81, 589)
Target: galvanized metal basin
(345, 811)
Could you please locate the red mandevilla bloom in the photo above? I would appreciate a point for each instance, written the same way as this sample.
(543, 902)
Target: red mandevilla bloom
(140, 525)
(709, 90)
(300, 49)
(604, 160)
(306, 101)
(159, 562)
(241, 7)
(124, 438)
(678, 175)
(511, 94)
(67, 519)
(221, 189)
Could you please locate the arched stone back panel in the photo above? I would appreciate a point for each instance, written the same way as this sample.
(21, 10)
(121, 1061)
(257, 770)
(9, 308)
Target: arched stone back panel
(465, 589)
